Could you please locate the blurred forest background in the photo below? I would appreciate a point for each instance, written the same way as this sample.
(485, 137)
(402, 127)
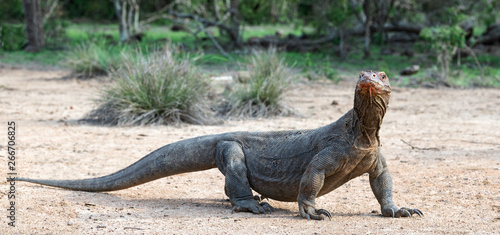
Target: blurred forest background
(453, 43)
(159, 56)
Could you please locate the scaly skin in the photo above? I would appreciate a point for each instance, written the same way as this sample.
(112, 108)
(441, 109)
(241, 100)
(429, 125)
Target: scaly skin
(285, 165)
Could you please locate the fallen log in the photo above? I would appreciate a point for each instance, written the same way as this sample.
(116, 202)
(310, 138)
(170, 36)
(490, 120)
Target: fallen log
(491, 36)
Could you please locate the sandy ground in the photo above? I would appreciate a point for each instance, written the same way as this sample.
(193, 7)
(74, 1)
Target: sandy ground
(442, 147)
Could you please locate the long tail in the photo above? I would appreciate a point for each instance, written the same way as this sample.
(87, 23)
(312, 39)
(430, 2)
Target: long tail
(184, 156)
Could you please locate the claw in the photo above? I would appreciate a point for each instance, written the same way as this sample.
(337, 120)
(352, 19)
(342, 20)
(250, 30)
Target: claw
(308, 217)
(413, 211)
(267, 206)
(407, 213)
(324, 212)
(419, 213)
(392, 210)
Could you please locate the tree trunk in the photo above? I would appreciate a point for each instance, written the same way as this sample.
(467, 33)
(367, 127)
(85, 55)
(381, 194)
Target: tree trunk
(34, 25)
(133, 16)
(121, 14)
(212, 4)
(491, 36)
(343, 54)
(403, 27)
(366, 9)
(274, 12)
(381, 15)
(368, 21)
(235, 21)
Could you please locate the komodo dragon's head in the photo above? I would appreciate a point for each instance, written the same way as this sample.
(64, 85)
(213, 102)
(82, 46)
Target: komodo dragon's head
(373, 88)
(374, 84)
(371, 100)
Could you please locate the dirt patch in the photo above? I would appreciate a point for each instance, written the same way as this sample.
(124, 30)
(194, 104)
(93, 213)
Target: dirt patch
(442, 147)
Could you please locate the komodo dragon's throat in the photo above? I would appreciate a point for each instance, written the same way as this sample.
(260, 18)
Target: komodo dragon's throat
(285, 165)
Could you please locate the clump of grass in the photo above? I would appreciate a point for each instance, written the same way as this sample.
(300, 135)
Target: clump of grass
(466, 77)
(261, 95)
(94, 58)
(154, 89)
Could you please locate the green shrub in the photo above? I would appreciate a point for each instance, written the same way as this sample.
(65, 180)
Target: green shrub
(261, 95)
(466, 77)
(444, 41)
(94, 58)
(55, 32)
(157, 89)
(11, 11)
(12, 36)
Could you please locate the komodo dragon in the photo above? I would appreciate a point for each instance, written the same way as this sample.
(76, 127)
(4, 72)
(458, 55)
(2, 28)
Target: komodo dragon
(282, 165)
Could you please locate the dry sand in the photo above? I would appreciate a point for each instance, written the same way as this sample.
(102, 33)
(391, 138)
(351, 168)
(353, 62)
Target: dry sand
(442, 148)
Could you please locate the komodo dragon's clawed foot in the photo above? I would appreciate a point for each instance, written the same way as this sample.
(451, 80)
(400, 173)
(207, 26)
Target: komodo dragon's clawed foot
(310, 212)
(401, 212)
(253, 206)
(267, 207)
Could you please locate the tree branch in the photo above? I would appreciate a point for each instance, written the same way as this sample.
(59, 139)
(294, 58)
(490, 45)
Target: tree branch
(158, 16)
(206, 22)
(224, 53)
(293, 43)
(53, 6)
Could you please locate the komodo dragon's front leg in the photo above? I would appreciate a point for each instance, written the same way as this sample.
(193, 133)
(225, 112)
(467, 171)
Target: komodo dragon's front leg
(381, 184)
(328, 163)
(231, 162)
(311, 183)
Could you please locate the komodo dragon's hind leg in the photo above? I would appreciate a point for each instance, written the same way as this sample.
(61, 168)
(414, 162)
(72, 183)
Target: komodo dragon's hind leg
(231, 162)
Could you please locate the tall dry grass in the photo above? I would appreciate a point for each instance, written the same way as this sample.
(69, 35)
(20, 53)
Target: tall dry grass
(154, 89)
(262, 94)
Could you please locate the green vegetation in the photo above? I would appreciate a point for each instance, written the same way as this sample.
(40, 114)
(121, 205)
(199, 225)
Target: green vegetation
(12, 36)
(152, 83)
(43, 58)
(95, 49)
(260, 95)
(95, 57)
(154, 89)
(444, 42)
(264, 30)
